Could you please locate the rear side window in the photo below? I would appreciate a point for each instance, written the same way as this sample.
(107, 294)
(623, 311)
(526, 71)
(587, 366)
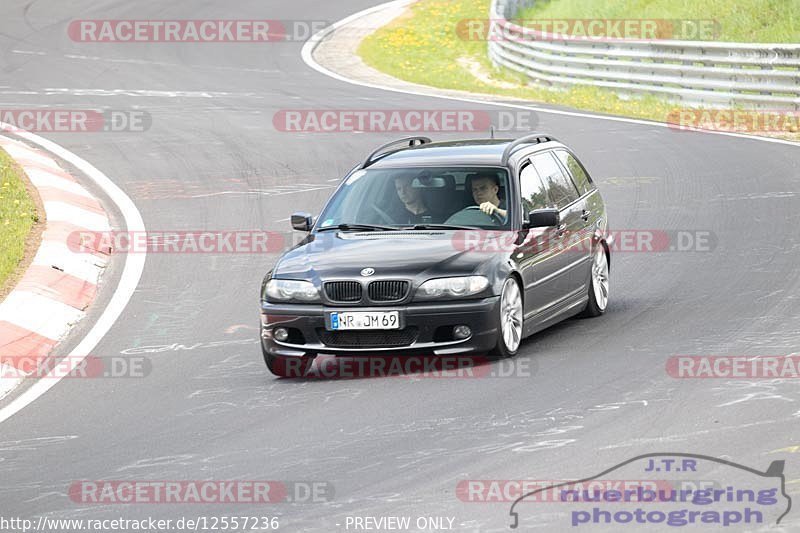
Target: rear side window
(559, 187)
(582, 180)
(534, 193)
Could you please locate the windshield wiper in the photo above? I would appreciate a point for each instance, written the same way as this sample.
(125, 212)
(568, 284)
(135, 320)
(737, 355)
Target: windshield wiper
(439, 226)
(358, 227)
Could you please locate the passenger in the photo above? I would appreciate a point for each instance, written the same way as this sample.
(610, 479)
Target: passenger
(414, 210)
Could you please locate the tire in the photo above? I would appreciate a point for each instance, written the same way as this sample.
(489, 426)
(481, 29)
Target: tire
(598, 284)
(509, 321)
(288, 367)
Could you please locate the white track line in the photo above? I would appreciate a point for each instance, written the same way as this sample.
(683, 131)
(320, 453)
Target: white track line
(311, 44)
(131, 273)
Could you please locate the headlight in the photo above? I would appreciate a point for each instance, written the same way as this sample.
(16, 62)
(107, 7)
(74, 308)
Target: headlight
(284, 290)
(451, 287)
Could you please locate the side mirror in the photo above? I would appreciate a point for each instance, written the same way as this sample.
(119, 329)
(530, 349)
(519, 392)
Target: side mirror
(302, 221)
(543, 218)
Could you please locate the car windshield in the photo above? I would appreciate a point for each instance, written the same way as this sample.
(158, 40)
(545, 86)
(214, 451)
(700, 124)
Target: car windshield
(421, 198)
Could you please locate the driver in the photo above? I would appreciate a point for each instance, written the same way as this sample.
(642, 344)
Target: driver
(414, 210)
(485, 186)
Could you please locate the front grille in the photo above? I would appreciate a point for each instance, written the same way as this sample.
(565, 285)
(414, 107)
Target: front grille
(387, 291)
(368, 338)
(343, 291)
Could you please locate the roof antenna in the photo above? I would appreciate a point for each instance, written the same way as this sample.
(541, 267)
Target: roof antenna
(491, 131)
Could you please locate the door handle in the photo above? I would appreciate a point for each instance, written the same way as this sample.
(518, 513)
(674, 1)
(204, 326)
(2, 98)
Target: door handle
(586, 214)
(560, 230)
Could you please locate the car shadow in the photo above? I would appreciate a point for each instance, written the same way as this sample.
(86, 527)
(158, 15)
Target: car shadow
(429, 366)
(381, 365)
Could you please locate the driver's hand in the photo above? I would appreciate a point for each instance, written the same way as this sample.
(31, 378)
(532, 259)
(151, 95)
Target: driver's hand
(488, 207)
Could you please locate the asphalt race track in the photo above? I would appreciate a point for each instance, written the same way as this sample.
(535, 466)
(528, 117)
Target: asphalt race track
(597, 394)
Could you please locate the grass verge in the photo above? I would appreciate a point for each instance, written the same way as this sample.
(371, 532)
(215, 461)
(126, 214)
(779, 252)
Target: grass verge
(424, 47)
(19, 221)
(745, 21)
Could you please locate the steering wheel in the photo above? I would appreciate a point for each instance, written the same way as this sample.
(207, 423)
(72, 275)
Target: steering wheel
(494, 216)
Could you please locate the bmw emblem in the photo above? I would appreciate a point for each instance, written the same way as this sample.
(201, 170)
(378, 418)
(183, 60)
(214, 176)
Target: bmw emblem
(368, 272)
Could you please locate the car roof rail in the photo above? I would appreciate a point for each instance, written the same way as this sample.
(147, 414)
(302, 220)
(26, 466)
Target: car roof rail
(533, 138)
(382, 149)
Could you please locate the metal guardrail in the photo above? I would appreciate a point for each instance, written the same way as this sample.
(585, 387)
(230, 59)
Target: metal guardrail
(696, 73)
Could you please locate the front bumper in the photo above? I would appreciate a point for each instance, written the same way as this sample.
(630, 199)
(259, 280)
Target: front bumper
(427, 329)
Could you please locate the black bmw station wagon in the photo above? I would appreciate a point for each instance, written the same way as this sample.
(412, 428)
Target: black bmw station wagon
(440, 248)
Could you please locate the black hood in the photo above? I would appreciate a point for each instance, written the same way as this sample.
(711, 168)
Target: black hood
(397, 254)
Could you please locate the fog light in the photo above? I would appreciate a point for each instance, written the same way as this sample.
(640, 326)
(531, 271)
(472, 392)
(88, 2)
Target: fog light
(281, 334)
(461, 332)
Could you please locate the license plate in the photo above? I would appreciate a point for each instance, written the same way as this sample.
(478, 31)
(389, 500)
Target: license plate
(364, 320)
